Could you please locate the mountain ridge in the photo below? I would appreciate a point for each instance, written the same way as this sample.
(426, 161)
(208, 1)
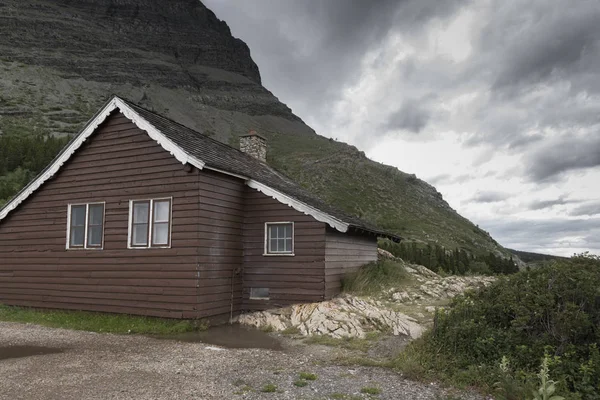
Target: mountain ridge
(184, 63)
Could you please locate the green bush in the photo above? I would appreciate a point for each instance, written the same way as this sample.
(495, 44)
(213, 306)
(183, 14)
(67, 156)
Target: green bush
(553, 310)
(374, 277)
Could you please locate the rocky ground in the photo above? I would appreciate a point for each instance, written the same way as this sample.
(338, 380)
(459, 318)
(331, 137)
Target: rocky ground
(404, 311)
(43, 363)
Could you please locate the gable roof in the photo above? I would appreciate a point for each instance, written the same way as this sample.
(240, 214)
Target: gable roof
(203, 152)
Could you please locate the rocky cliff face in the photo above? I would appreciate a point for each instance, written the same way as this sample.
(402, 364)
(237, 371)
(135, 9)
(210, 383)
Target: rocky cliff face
(132, 41)
(61, 59)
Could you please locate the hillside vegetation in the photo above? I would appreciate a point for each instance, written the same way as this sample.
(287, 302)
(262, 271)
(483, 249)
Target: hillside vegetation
(188, 67)
(533, 259)
(496, 338)
(22, 157)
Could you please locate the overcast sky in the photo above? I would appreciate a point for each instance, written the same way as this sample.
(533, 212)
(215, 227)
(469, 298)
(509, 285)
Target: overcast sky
(496, 103)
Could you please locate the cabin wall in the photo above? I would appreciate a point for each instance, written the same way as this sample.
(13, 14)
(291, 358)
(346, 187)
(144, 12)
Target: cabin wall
(344, 253)
(194, 278)
(290, 279)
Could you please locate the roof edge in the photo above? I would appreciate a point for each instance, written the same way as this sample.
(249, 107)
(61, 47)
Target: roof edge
(299, 206)
(114, 103)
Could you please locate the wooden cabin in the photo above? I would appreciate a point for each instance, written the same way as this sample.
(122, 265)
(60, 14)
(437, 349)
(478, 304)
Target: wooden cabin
(141, 215)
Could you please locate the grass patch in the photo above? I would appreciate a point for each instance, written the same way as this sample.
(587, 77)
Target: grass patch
(370, 390)
(244, 389)
(267, 329)
(373, 277)
(269, 388)
(342, 396)
(308, 376)
(242, 386)
(99, 322)
(300, 383)
(292, 330)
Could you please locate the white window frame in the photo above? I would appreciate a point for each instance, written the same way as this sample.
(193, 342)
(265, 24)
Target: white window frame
(150, 224)
(260, 298)
(86, 226)
(280, 254)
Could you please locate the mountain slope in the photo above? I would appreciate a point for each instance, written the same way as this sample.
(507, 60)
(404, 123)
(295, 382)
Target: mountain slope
(61, 59)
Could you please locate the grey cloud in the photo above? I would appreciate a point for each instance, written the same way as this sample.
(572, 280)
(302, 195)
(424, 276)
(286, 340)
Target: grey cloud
(543, 204)
(448, 179)
(565, 154)
(550, 39)
(490, 197)
(545, 235)
(410, 116)
(525, 141)
(586, 209)
(540, 60)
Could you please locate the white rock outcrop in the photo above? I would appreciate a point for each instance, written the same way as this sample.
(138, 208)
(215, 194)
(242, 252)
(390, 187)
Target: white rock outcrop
(343, 317)
(436, 288)
(352, 317)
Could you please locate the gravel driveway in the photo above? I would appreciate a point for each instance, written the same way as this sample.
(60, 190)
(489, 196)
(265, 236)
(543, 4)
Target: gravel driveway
(83, 365)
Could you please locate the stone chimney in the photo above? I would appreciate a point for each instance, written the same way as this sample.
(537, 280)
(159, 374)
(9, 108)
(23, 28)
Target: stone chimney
(255, 145)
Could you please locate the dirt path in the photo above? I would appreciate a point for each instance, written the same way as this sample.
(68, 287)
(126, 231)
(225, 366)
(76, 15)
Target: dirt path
(62, 364)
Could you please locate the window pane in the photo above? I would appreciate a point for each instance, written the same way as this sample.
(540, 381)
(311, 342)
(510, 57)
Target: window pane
(96, 214)
(281, 245)
(140, 235)
(288, 245)
(272, 231)
(161, 234)
(95, 236)
(288, 231)
(272, 245)
(77, 235)
(78, 216)
(140, 212)
(161, 211)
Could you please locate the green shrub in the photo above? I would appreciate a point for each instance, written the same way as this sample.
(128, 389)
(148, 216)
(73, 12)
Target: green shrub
(308, 376)
(480, 268)
(370, 390)
(554, 310)
(269, 388)
(374, 277)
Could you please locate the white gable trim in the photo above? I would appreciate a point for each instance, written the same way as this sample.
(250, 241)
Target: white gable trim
(299, 206)
(113, 104)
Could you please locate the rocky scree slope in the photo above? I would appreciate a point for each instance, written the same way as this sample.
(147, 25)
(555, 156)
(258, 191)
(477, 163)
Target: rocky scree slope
(61, 59)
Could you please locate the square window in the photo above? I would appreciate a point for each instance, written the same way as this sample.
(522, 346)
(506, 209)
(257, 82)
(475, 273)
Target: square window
(279, 238)
(150, 223)
(86, 226)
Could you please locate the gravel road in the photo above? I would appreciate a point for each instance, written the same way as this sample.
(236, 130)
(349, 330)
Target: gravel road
(83, 365)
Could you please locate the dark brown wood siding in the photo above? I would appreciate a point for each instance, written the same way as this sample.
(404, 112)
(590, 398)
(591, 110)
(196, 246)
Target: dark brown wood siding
(194, 278)
(345, 252)
(290, 279)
